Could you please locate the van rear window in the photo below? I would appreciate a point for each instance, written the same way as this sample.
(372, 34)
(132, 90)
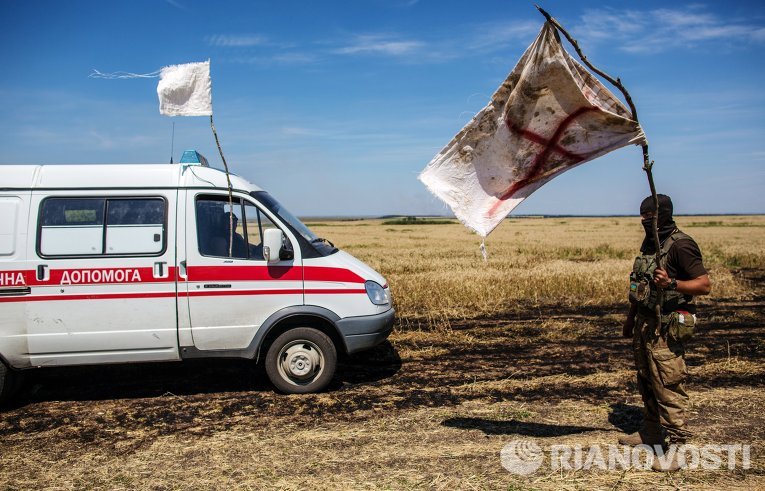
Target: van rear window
(102, 226)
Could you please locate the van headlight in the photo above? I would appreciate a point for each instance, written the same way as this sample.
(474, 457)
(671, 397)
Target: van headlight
(377, 294)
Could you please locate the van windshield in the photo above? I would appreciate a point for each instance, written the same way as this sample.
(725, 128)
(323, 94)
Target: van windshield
(322, 246)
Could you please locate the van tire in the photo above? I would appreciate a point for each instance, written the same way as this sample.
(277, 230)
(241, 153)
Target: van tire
(301, 360)
(9, 384)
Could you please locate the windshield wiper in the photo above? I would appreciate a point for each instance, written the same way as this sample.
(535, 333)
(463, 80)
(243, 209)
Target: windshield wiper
(322, 239)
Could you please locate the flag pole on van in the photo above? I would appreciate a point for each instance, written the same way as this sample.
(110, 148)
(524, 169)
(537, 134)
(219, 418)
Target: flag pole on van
(186, 90)
(230, 193)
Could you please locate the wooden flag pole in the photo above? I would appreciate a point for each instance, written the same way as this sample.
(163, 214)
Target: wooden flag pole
(230, 193)
(647, 162)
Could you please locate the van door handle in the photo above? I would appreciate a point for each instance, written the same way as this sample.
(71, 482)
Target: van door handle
(160, 269)
(43, 273)
(182, 271)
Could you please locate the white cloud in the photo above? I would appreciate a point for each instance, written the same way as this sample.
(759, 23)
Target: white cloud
(175, 4)
(677, 18)
(496, 35)
(295, 57)
(235, 40)
(607, 24)
(299, 131)
(286, 54)
(379, 44)
(486, 37)
(658, 30)
(279, 58)
(631, 30)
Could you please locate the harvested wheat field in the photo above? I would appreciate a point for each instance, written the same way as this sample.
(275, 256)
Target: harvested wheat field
(524, 347)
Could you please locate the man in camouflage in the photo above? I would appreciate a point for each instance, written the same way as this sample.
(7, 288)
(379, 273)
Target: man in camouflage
(659, 346)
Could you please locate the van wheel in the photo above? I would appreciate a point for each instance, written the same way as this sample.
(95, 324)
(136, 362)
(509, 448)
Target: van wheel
(301, 360)
(9, 384)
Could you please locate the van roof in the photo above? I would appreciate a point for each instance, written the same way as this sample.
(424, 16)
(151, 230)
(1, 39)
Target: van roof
(114, 176)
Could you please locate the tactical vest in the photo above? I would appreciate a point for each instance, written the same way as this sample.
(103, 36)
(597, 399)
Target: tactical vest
(643, 291)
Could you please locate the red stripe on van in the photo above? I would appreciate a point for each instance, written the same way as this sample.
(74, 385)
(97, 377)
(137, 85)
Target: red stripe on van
(223, 293)
(272, 273)
(213, 293)
(8, 278)
(333, 291)
(318, 273)
(102, 296)
(85, 276)
(133, 275)
(226, 293)
(244, 273)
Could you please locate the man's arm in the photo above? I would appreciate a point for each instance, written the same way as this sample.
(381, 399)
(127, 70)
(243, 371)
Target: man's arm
(697, 286)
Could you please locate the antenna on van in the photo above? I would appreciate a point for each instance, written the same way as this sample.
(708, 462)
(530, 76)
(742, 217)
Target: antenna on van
(172, 143)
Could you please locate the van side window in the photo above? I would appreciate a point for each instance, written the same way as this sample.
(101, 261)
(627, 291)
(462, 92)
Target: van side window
(257, 223)
(213, 234)
(102, 226)
(213, 227)
(134, 226)
(72, 226)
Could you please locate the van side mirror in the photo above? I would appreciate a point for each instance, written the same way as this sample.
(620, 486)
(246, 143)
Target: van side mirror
(286, 254)
(272, 244)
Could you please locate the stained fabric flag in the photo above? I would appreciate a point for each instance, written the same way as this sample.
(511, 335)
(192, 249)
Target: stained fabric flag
(550, 115)
(185, 90)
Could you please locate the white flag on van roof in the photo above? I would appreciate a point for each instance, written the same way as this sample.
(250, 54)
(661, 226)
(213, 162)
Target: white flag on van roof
(547, 117)
(185, 90)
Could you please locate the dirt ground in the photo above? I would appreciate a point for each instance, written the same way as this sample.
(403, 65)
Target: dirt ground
(429, 409)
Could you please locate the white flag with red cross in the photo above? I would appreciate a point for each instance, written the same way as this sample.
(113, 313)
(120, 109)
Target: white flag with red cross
(550, 115)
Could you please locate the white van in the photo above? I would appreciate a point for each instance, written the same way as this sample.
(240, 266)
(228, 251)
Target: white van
(137, 263)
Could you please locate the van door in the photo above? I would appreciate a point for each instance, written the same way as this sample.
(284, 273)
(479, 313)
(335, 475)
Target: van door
(14, 276)
(104, 281)
(231, 289)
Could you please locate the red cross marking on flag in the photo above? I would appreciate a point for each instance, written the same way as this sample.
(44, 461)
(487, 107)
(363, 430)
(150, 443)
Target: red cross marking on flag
(538, 165)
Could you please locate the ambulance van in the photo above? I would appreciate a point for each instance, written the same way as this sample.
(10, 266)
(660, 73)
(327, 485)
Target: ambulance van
(139, 263)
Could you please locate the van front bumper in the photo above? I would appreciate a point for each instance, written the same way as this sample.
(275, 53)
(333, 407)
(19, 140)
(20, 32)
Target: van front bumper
(364, 332)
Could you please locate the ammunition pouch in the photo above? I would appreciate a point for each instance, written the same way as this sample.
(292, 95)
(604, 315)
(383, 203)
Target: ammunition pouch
(643, 291)
(640, 282)
(680, 325)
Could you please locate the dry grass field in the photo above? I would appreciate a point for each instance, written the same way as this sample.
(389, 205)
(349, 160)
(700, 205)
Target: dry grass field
(524, 346)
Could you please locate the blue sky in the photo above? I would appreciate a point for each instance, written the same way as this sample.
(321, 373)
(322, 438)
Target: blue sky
(335, 107)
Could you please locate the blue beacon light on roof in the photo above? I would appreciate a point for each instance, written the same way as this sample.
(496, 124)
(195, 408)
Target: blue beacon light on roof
(193, 157)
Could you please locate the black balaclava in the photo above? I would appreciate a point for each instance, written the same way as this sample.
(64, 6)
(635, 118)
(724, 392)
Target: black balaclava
(666, 222)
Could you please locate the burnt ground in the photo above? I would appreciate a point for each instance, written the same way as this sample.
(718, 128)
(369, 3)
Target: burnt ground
(551, 374)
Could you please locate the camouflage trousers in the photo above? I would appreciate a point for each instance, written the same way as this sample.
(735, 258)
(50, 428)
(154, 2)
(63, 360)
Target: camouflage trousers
(660, 364)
